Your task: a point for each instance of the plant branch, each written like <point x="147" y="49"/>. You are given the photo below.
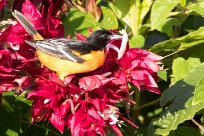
<point x="198" y="125"/>
<point x="170" y="54"/>
<point x="148" y="104"/>
<point x="24" y="121"/>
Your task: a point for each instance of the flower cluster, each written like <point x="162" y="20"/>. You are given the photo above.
<point x="83" y="103"/>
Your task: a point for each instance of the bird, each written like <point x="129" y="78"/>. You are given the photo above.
<point x="68" y="56"/>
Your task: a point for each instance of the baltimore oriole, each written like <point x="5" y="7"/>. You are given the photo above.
<point x="65" y="56"/>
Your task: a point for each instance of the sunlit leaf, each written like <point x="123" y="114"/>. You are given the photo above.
<point x="195" y="75"/>
<point x="109" y="20"/>
<point x="168" y="26"/>
<point x="197" y="7"/>
<point x="145" y="7"/>
<point x="131" y="12"/>
<point x="187" y="41"/>
<point x="136" y="41"/>
<point x="77" y="21"/>
<point x="162" y="74"/>
<point x="181" y="66"/>
<point x="180" y="97"/>
<point x="199" y="93"/>
<point x="161" y="10"/>
<point x="183" y="3"/>
<point x="181" y="109"/>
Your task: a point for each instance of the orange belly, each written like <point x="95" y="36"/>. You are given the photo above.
<point x="64" y="68"/>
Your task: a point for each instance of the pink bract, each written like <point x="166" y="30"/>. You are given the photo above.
<point x="139" y="67"/>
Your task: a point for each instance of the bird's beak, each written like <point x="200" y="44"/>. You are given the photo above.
<point x="115" y="36"/>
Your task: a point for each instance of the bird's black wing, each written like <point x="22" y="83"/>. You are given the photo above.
<point x="62" y="48"/>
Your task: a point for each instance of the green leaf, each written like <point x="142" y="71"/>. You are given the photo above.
<point x="11" y="133"/>
<point x="180" y="97"/>
<point x="183" y="3"/>
<point x="195" y="75"/>
<point x="131" y="13"/>
<point x="196" y="78"/>
<point x="191" y="23"/>
<point x="197" y="7"/>
<point x="9" y="116"/>
<point x="195" y="51"/>
<point x="168" y="26"/>
<point x="145" y="7"/>
<point x="199" y="93"/>
<point x="162" y="74"/>
<point x="154" y="37"/>
<point x="12" y="110"/>
<point x="180" y="110"/>
<point x="188" y="44"/>
<point x="181" y="67"/>
<point x="161" y="10"/>
<point x="109" y="20"/>
<point x="177" y="94"/>
<point x="136" y="41"/>
<point x="77" y="21"/>
<point x="187" y="41"/>
<point x="127" y="12"/>
<point x="202" y="119"/>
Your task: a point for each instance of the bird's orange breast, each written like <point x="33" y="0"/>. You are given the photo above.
<point x="65" y="67"/>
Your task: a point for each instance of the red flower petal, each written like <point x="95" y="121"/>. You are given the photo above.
<point x="53" y="28"/>
<point x="98" y="104"/>
<point x="57" y="122"/>
<point x="92" y="112"/>
<point x="33" y="15"/>
<point x="90" y="83"/>
<point x="116" y="130"/>
<point x="80" y="36"/>
<point x="62" y="109"/>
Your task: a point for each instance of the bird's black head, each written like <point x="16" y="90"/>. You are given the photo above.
<point x="99" y="39"/>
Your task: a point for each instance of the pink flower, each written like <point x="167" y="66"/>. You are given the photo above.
<point x="50" y="102"/>
<point x="139" y="67"/>
<point x="7" y="73"/>
<point x="81" y="106"/>
<point x="33" y="15"/>
<point x="23" y="56"/>
<point x="86" y="121"/>
<point x="48" y="26"/>
<point x="94" y="103"/>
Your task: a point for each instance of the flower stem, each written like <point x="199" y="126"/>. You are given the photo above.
<point x="147" y="104"/>
<point x="27" y="122"/>
<point x="170" y="54"/>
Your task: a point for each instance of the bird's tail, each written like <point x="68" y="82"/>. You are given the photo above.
<point x="27" y="25"/>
